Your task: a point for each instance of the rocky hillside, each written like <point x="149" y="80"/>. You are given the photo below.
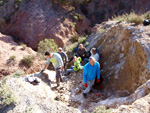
<point x="12" y="54"/>
<point x="32" y="21"/>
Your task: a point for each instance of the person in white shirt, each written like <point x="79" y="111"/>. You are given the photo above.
<point x="94" y="54"/>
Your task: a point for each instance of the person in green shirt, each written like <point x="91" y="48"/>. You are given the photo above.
<point x="76" y="67"/>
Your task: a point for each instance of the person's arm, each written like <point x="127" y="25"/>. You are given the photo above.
<point x="66" y="57"/>
<point x="77" y="65"/>
<point x="85" y="51"/>
<point x="85" y="75"/>
<point x="98" y="71"/>
<point x="78" y="53"/>
<point x="61" y="62"/>
<point x="46" y="65"/>
<point x="97" y="57"/>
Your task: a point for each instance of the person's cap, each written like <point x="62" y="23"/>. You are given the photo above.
<point x="60" y="48"/>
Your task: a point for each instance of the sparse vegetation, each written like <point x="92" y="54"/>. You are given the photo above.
<point x="28" y="61"/>
<point x="28" y="110"/>
<point x="17" y="2"/>
<point x="14" y="48"/>
<point x="11" y="60"/>
<point x="74" y="38"/>
<point x="18" y="74"/>
<point x="6" y="96"/>
<point x="47" y="45"/>
<point x="71" y="2"/>
<point x="78" y="17"/>
<point x="74" y="43"/>
<point x="23" y="46"/>
<point x="70" y="47"/>
<point x="132" y="18"/>
<point x="73" y="24"/>
<point x="101" y="109"/>
<point x="102" y="30"/>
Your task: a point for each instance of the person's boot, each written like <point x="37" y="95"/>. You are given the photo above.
<point x="84" y="95"/>
<point x="57" y="82"/>
<point x="61" y="80"/>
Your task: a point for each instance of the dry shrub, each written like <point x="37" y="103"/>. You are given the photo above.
<point x="131" y="18"/>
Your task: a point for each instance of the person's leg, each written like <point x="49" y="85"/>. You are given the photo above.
<point x="86" y="60"/>
<point x="60" y="70"/>
<point x="58" y="76"/>
<point x="69" y="71"/>
<point x="90" y="83"/>
<point x="71" y="58"/>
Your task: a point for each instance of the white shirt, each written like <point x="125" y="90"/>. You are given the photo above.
<point x="96" y="56"/>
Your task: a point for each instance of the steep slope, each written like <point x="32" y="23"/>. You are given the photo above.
<point x="30" y="98"/>
<point x="11" y="55"/>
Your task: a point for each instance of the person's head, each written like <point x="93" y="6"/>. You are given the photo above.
<point x="92" y="61"/>
<point x="60" y="49"/>
<point x="48" y="54"/>
<point x="80" y="46"/>
<point x="74" y="58"/>
<point x="94" y="51"/>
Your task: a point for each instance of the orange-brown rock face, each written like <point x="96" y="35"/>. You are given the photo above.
<point x="34" y="21"/>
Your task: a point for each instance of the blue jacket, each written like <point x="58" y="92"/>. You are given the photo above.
<point x="90" y="72"/>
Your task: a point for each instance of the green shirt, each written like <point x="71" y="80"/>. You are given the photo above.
<point x="77" y="65"/>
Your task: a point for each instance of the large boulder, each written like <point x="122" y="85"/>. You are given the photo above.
<point x="124" y="52"/>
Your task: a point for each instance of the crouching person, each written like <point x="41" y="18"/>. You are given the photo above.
<point x="76" y="66"/>
<point x="91" y="70"/>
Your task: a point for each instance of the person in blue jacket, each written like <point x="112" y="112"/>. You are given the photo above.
<point x="91" y="70"/>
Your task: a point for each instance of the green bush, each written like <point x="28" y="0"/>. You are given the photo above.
<point x="6" y="96"/>
<point x="47" y="45"/>
<point x="28" y="61"/>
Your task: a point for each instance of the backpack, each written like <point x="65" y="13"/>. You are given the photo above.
<point x="146" y="22"/>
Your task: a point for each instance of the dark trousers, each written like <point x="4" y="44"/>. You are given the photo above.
<point x="58" y="76"/>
